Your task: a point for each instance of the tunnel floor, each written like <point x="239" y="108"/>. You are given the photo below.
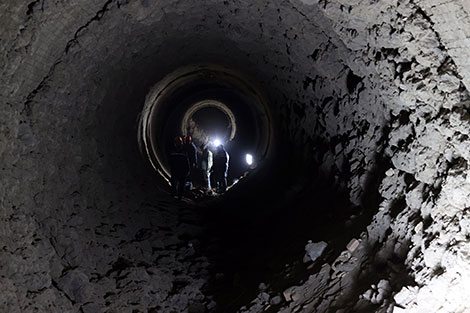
<point x="261" y="240"/>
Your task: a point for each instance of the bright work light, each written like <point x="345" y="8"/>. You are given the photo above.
<point x="249" y="159"/>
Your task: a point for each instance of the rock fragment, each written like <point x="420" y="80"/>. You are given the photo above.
<point x="314" y="250"/>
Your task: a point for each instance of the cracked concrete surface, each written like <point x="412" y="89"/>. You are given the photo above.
<point x="372" y="96"/>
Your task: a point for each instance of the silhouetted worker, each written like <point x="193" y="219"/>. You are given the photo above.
<point x="220" y="169"/>
<point x="179" y="167"/>
<point x="206" y="166"/>
<point x="191" y="151"/>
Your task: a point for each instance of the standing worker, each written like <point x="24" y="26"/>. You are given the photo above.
<point x="220" y="169"/>
<point x="206" y="166"/>
<point x="179" y="167"/>
<point x="191" y="151"/>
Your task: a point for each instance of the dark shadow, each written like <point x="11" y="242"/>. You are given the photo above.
<point x="255" y="230"/>
<point x="252" y="233"/>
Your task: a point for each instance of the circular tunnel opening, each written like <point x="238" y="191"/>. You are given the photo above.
<point x="209" y="120"/>
<point x="210" y="104"/>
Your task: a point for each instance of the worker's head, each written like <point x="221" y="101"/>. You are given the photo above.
<point x="188" y="139"/>
<point x="178" y="141"/>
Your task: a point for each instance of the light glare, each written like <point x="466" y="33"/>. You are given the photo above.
<point x="249" y="159"/>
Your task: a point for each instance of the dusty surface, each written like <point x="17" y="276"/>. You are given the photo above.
<point x="372" y="95"/>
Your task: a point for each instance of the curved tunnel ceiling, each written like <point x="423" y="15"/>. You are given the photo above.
<point x="209" y="104"/>
<point x="369" y="107"/>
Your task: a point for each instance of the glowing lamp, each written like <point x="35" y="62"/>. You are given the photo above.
<point x="249" y="159"/>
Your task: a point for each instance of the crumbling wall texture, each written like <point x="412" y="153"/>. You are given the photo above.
<point x="369" y="83"/>
<point x="424" y="78"/>
<point x="407" y="54"/>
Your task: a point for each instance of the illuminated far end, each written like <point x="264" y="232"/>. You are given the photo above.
<point x="216" y="142"/>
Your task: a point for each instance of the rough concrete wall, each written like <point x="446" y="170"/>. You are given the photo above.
<point x="82" y="229"/>
<point x="426" y="146"/>
<point x="421" y="222"/>
<point x="451" y="21"/>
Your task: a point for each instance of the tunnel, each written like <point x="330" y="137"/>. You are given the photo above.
<point x="356" y="112"/>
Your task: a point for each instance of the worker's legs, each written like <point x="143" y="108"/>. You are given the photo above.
<point x="220" y="182"/>
<point x="208" y="180"/>
<point x="223" y="182"/>
<point x="181" y="186"/>
<point x="174" y="185"/>
<point x="216" y="180"/>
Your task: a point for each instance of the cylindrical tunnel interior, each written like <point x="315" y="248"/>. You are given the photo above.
<point x="174" y="103"/>
<point x="356" y="114"/>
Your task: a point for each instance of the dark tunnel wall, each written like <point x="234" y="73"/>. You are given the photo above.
<point x="364" y="93"/>
<point x="133" y="63"/>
